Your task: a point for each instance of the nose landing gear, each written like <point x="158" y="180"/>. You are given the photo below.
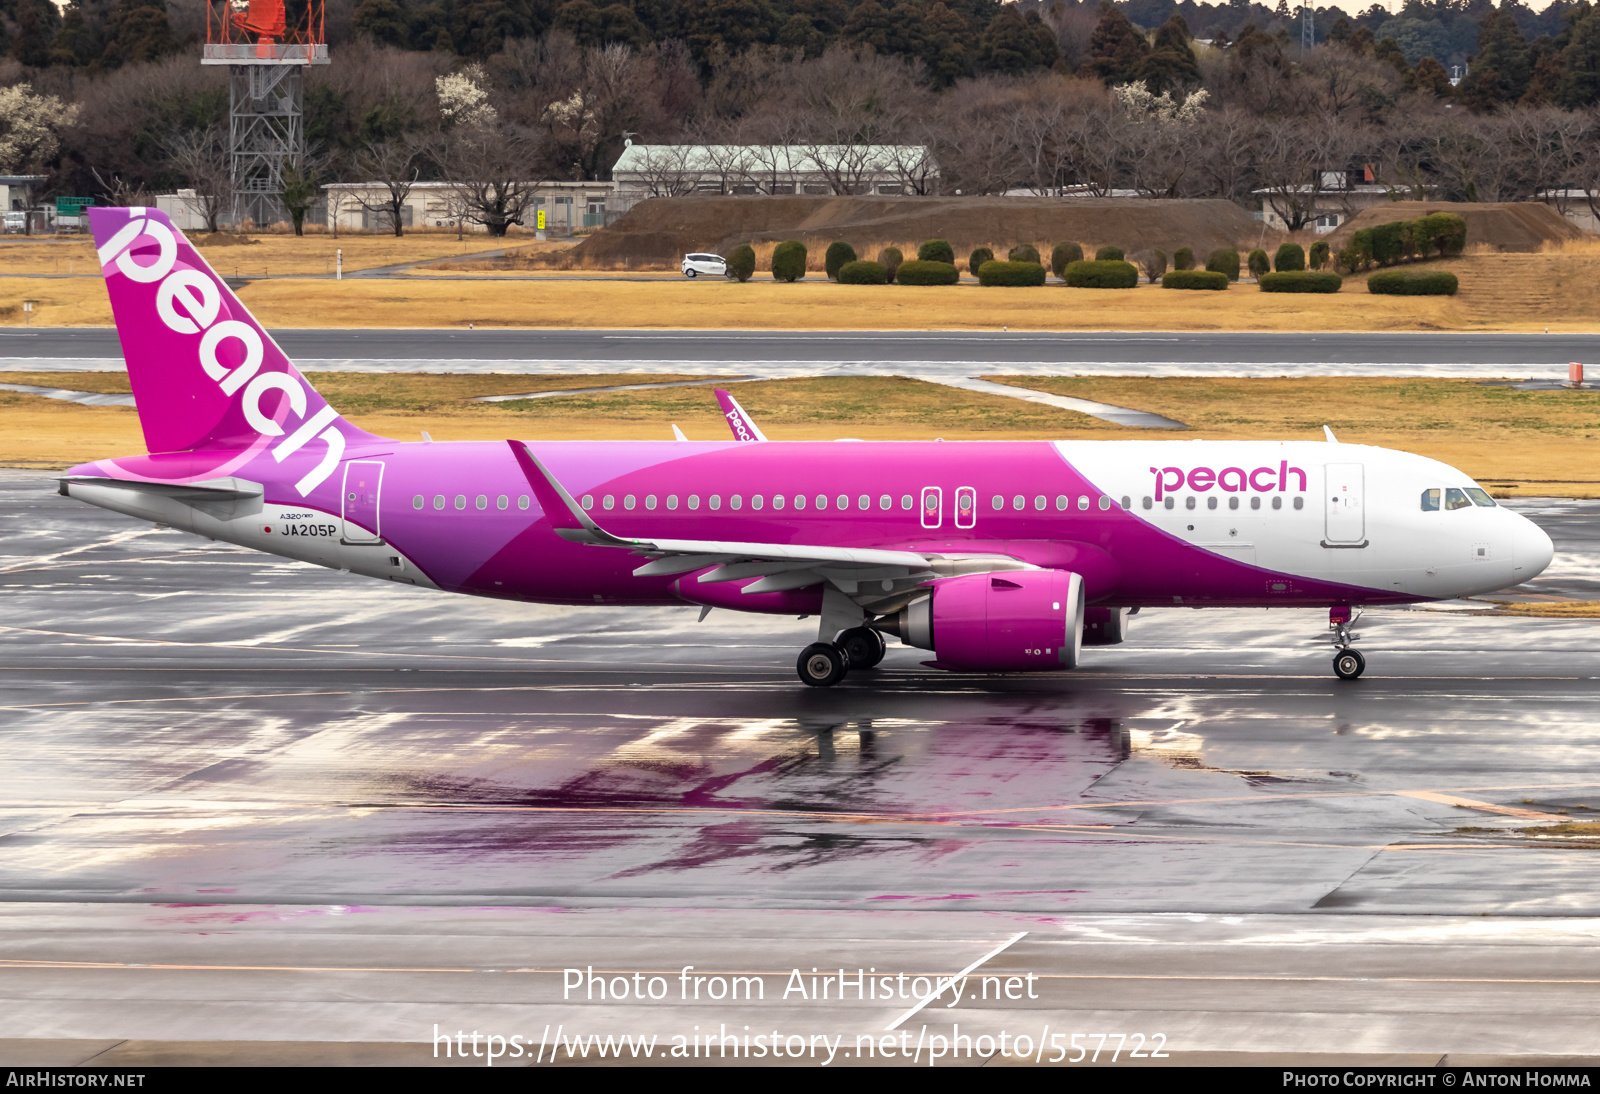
<point x="1348" y="663"/>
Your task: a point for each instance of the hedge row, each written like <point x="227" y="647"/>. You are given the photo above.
<point x="1101" y="274"/>
<point x="863" y="273"/>
<point x="1405" y="283"/>
<point x="1300" y="281"/>
<point x="1398" y="241"/>
<point x="1194" y="279"/>
<point x="1011" y="273"/>
<point x="918" y="272"/>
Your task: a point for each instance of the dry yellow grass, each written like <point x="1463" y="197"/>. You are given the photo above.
<point x="1530" y="443"/>
<point x="1558" y="609"/>
<point x="1512" y="292"/>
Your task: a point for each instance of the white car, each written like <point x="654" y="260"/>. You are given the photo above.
<point x="696" y="264"/>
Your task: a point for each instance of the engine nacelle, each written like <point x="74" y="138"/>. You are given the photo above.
<point x="1105" y="626"/>
<point x="1016" y="621"/>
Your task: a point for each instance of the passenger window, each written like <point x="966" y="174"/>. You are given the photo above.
<point x="588" y="501"/>
<point x="714" y="502"/>
<point x="1456" y="499"/>
<point x="1277" y="501"/>
<point x="1233" y="503"/>
<point x="438" y="501"/>
<point x="1188" y="502"/>
<point x="650" y="501"/>
<point x="1255" y="502"/>
<point x="907" y="504"/>
<point x="885" y="502"/>
<point x="1480" y="496"/>
<point x="777" y="501"/>
<point x="1105" y="503"/>
<point x="1018" y="502"/>
<point x="1062" y="501"/>
<point x="799" y="501"/>
<point x="1083" y="502"/>
<point x="609" y="501"/>
<point x="1430" y="500"/>
<point x="461" y="501"/>
<point x="483" y="502"/>
<point x="522" y="502"/>
<point x="672" y="502"/>
<point x="1211" y="503"/>
<point x="417" y="502"/>
<point x="863" y="502"/>
<point x="841" y="502"/>
<point x="1039" y="502"/>
<point x="999" y="502"/>
<point x="757" y="502"/>
<point x="501" y="502"/>
<point x="822" y="501"/>
<point x="1299" y="502"/>
<point x="735" y="503"/>
<point x="694" y="501"/>
<point x="1147" y="502"/>
<point x="1171" y="502"/>
<point x="1127" y="502"/>
<point x="629" y="502"/>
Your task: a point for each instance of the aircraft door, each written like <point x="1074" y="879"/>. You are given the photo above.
<point x="363" y="479"/>
<point x="1344" y="503"/>
<point x="966" y="507"/>
<point x="932" y="506"/>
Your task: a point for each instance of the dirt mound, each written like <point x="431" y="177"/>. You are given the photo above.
<point x="1506" y="225"/>
<point x="659" y="231"/>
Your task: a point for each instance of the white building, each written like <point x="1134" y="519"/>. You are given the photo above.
<point x="674" y="170"/>
<point x="360" y="205"/>
<point x="1574" y="205"/>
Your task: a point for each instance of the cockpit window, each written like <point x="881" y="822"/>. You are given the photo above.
<point x="1456" y="499"/>
<point x="1430" y="500"/>
<point x="1480" y="496"/>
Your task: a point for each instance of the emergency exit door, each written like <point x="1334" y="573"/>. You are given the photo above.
<point x="363" y="480"/>
<point x="1343" y="503"/>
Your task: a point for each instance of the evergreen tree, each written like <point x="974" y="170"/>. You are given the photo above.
<point x="907" y="29"/>
<point x="1171" y="65"/>
<point x="868" y="25"/>
<point x="382" y="20"/>
<point x="1500" y="73"/>
<point x="138" y="32"/>
<point x="1012" y="44"/>
<point x="944" y="46"/>
<point x="1117" y="50"/>
<point x="37" y="24"/>
<point x="1429" y="75"/>
<point x="800" y="33"/>
<point x="1579" y="84"/>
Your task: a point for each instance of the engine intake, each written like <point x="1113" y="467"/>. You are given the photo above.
<point x="1018" y="621"/>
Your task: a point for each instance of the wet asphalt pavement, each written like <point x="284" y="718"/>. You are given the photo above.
<point x="293" y="792"/>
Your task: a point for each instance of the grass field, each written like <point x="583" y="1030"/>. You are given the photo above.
<point x="1534" y="443"/>
<point x="1511" y="292"/>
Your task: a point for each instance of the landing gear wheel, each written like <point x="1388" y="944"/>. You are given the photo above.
<point x="864" y="647"/>
<point x="822" y="665"/>
<point x="1349" y="664"/>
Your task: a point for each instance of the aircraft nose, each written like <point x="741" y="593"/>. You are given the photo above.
<point x="1532" y="549"/>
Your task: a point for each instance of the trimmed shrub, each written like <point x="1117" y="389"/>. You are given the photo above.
<point x="789" y="260"/>
<point x="1257" y="262"/>
<point x="1300" y="281"/>
<point x="1319" y="255"/>
<point x="863" y="273"/>
<point x="1290" y="257"/>
<point x="1011" y="273"/>
<point x="1153" y="263"/>
<point x="978" y="258"/>
<point x="1062" y="255"/>
<point x="1444" y="232"/>
<point x="918" y="272"/>
<point x="890" y="258"/>
<point x="1024" y="252"/>
<point x="1224" y="260"/>
<point x="1387" y="245"/>
<point x="1108" y="254"/>
<point x="1102" y="274"/>
<point x="1183" y="260"/>
<point x="741" y="262"/>
<point x="1406" y="283"/>
<point x="936" y="250"/>
<point x="837" y="255"/>
<point x="1194" y="279"/>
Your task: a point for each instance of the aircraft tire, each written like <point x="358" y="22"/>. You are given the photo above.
<point x="1349" y="664"/>
<point x="864" y="647"/>
<point x="822" y="665"/>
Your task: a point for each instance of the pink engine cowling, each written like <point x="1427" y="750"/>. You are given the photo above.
<point x="1016" y="621"/>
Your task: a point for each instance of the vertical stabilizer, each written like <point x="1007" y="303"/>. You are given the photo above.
<point x="205" y="375"/>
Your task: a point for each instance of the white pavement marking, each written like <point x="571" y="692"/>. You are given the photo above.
<point x="87" y="398"/>
<point x="1120" y="415"/>
<point x="941" y="985"/>
<point x="110" y="541"/>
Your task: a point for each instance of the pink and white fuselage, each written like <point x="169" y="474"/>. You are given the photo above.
<point x="995" y="555"/>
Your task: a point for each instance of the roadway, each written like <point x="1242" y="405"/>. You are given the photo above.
<point x="251" y="809"/>
<point x="966" y="352"/>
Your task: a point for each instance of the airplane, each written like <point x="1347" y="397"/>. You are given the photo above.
<point x="995" y="556"/>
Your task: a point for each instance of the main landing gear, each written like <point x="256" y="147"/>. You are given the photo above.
<point x="1348" y="664"/>
<point x="824" y="664"/>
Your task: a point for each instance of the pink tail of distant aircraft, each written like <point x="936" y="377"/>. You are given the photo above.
<point x="997" y="556"/>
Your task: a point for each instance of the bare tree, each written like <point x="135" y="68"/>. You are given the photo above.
<point x="665" y="169"/>
<point x="1300" y="160"/>
<point x="200" y="157"/>
<point x="1546" y="144"/>
<point x="395" y="166"/>
<point x="492" y="172"/>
